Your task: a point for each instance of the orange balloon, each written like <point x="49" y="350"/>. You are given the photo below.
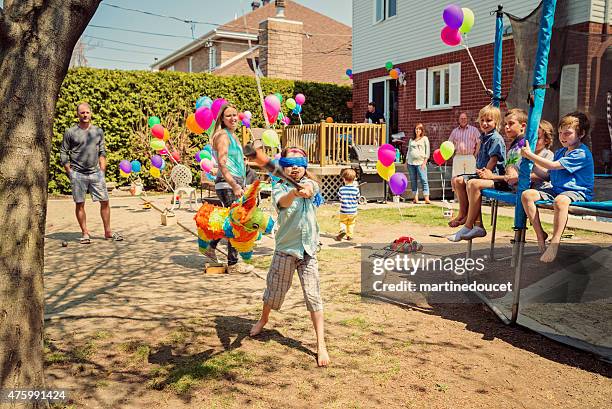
<point x="193" y="126"/>
<point x="166" y="135"/>
<point x="329" y="120"/>
<point x="393" y="74"/>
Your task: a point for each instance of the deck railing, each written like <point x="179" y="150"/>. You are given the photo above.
<point x="329" y="143"/>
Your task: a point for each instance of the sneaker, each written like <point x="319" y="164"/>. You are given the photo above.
<point x="459" y="235"/>
<point x="349" y="238"/>
<point x="211" y="253"/>
<point x="476" y="231"/>
<point x="240" y="268"/>
<point x="340" y="236"/>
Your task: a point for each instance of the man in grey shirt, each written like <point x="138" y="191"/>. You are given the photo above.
<point x="84" y="157"/>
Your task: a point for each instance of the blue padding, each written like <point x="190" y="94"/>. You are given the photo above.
<point x="506" y="197"/>
<point x="604" y="206"/>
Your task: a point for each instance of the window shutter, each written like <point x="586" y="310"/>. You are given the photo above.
<point x="421" y="83"/>
<point x="454" y="94"/>
<point x="568" y="91"/>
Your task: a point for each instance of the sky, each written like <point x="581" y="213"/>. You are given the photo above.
<point x="104" y="48"/>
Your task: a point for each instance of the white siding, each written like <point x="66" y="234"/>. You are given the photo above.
<point x="598" y="11"/>
<point x="415" y="32"/>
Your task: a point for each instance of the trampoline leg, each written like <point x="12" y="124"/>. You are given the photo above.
<point x="494" y="206"/>
<point x="519" y="244"/>
<point x="468" y="254"/>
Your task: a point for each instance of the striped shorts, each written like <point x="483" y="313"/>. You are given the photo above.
<point x="280" y="276"/>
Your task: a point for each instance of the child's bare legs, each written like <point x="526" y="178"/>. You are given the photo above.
<point x="561" y="205"/>
<point x="528" y="199"/>
<point x="474" y="188"/>
<point x="319" y="327"/>
<point x="259" y="325"/>
<point x="461" y="191"/>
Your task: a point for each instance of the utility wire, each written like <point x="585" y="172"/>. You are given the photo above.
<point x="125" y="43"/>
<point x="112" y="60"/>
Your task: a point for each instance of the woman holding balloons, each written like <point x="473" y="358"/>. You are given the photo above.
<point x="416" y="159"/>
<point x="230" y="180"/>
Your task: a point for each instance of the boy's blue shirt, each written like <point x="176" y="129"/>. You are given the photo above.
<point x="491" y="144"/>
<point x="578" y="173"/>
<point x="298" y="229"/>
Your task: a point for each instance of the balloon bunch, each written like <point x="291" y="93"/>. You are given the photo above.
<point x="386" y="169"/>
<point x="158" y="164"/>
<point x="295" y="105"/>
<point x="203" y="119"/>
<point x="160" y="141"/>
<point x="393" y="72"/>
<point x="245" y="118"/>
<point x="446" y="151"/>
<point x="349" y="74"/>
<point x="126" y="167"/>
<point x="458" y="21"/>
<point x="206" y="160"/>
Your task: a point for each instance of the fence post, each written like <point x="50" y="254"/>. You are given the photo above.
<point x="383" y="134"/>
<point x="322" y="137"/>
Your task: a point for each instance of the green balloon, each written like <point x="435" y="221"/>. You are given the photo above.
<point x="157" y="144"/>
<point x="153" y="120"/>
<point x="290" y="102"/>
<point x="468" y="21"/>
<point x="389" y="65"/>
<point x="279" y="96"/>
<point x="270" y="138"/>
<point x="205" y="155"/>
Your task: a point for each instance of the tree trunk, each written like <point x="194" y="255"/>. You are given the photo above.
<point x="36" y="42"/>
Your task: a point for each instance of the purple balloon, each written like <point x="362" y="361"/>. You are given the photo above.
<point x="197" y="157"/>
<point x="125" y="166"/>
<point x="453" y="16"/>
<point x="156" y="161"/>
<point x="398" y="183"/>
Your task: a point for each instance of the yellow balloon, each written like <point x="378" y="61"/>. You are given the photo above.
<point x="166" y="135"/>
<point x="385" y="172"/>
<point x="123" y="174"/>
<point x="154" y="172"/>
<point x="270" y="138"/>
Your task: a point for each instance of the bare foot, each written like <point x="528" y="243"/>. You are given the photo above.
<point x="457" y="221"/>
<point x="322" y="357"/>
<point x="258" y="327"/>
<point x="551" y="253"/>
<point x="542" y="243"/>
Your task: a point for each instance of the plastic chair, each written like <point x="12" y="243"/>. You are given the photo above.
<point x="181" y="178"/>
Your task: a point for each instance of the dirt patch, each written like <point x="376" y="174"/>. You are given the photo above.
<point x="137" y="325"/>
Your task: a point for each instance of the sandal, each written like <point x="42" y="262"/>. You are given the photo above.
<point x="115" y="237"/>
<point x="85" y="240"/>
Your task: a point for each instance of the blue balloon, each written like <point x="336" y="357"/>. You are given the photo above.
<point x="203" y="102"/>
<point x="163" y="165"/>
<point x="135" y="166"/>
<point x="208" y="148"/>
<point x="349" y="72"/>
<point x="297" y="109"/>
<point x="210" y="177"/>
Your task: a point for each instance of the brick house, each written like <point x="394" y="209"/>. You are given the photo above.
<point x="440" y="81"/>
<point x="287" y="41"/>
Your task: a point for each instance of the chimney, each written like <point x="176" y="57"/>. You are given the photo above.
<point x="255" y="5"/>
<point x="280" y="55"/>
<point x="280" y="8"/>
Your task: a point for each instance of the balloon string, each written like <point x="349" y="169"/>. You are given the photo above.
<point x="474" y="64"/>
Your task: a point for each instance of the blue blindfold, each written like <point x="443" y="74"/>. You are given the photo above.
<point x="289" y="162"/>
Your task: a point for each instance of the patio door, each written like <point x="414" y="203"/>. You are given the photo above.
<point x="384" y="93"/>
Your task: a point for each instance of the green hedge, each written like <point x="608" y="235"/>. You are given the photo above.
<point x="122" y="100"/>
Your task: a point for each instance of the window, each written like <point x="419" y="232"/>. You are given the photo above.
<point x="568" y="90"/>
<point x="385" y="9"/>
<point x="170" y="68"/>
<point x="438" y="87"/>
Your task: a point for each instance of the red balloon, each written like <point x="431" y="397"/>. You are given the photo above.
<point x="437" y="157"/>
<point x="176" y="156"/>
<point x="158" y="131"/>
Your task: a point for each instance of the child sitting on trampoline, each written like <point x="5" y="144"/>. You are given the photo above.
<point x="571" y="174"/>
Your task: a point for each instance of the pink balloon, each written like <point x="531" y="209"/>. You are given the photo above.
<point x="206" y="165"/>
<point x="286" y="120"/>
<point x="389" y="147"/>
<point x="204" y="117"/>
<point x="438" y="158"/>
<point x="163" y="151"/>
<point x="386" y="156"/>
<point x="215" y="108"/>
<point x="398" y="183"/>
<point x="272" y="104"/>
<point x="450" y="36"/>
<point x="158" y="131"/>
<point x="300" y="99"/>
